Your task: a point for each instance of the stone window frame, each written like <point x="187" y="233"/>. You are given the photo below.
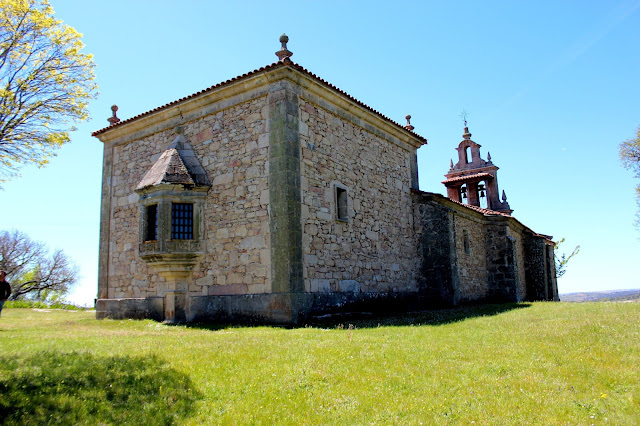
<point x="164" y="197"/>
<point x="341" y="192"/>
<point x="466" y="244"/>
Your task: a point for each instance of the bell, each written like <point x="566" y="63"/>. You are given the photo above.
<point x="481" y="193"/>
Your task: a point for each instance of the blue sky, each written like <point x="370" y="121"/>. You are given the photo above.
<point x="551" y="89"/>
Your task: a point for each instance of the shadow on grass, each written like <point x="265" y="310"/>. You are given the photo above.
<point x="369" y="320"/>
<point x="428" y="317"/>
<point x="78" y="388"/>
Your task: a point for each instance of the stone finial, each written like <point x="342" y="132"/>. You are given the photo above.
<point x="466" y="135"/>
<point x="451" y="164"/>
<point x="113" y="119"/>
<point x="504" y="197"/>
<point x="409" y="126"/>
<point x="284" y="53"/>
<point x="488" y="156"/>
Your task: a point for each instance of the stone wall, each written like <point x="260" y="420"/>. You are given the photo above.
<point x="128" y="275"/>
<point x="540" y="269"/>
<point x="232" y="146"/>
<point x="284" y="189"/>
<point x="472" y="263"/>
<point x="132" y="308"/>
<point x="501" y="261"/>
<point x="275" y="308"/>
<point x="373" y="249"/>
<point x="438" y="279"/>
<point x="552" y="279"/>
<point x="518" y="242"/>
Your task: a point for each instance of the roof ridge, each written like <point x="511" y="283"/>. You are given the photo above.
<point x="484" y="211"/>
<point x="285" y="63"/>
<point x="481" y="209"/>
<point x="474" y="208"/>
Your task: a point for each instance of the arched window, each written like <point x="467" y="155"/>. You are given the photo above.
<point x="482" y="194"/>
<point x="462" y="196"/>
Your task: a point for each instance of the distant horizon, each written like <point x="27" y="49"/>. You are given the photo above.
<point x="603" y="291"/>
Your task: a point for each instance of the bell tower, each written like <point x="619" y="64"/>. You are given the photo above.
<point x="473" y="178"/>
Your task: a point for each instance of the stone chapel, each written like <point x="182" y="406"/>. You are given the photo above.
<point x="275" y="197"/>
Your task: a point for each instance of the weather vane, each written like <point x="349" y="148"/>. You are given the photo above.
<point x="464" y="114"/>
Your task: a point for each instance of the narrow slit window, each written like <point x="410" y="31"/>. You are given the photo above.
<point x="152" y="223"/>
<point x="465" y="241"/>
<point x="342" y="210"/>
<point x="181" y="221"/>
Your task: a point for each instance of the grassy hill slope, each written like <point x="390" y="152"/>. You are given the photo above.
<point x="538" y="363"/>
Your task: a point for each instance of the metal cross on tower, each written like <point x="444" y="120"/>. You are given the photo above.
<point x="464" y="114"/>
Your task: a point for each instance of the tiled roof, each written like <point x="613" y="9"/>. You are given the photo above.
<point x="485" y="212"/>
<point x="178" y="164"/>
<point x="467" y="177"/>
<point x="169" y="168"/>
<point x="286" y="63"/>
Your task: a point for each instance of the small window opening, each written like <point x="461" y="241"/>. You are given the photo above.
<point x="467" y="154"/>
<point x="341" y="204"/>
<point x="152" y="223"/>
<point x="465" y="241"/>
<point x="181" y="221"/>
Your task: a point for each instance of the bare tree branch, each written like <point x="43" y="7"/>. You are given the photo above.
<point x="563" y="259"/>
<point x="30" y="268"/>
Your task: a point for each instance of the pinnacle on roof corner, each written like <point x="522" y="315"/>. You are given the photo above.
<point x="283" y="54"/>
<point x="113" y="119"/>
<point x="409" y="126"/>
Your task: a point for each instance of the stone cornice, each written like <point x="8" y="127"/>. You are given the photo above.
<point x="250" y="87"/>
<point x="187" y="110"/>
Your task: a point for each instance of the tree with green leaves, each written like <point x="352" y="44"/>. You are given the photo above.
<point x="32" y="271"/>
<point x="46" y="83"/>
<point x="630" y="158"/>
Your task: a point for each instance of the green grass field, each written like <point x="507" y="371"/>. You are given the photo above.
<point x="541" y="363"/>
